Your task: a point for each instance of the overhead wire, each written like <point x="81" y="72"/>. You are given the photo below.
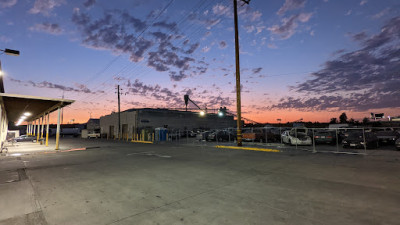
<point x="150" y="24"/>
<point x="140" y="34"/>
<point x="183" y="19"/>
<point x="145" y="69"/>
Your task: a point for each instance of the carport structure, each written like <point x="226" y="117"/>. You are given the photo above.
<point x="33" y="110"/>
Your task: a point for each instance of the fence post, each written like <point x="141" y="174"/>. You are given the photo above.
<point x="295" y="130"/>
<point x="252" y="131"/>
<point x="365" y="144"/>
<point x="313" y="140"/>
<point x="337" y="140"/>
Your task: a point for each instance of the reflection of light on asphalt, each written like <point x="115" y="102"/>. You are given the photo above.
<point x="16" y="154"/>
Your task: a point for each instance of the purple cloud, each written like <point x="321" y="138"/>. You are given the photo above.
<point x="45" y="6"/>
<point x="289" y="25"/>
<point x="52" y="28"/>
<point x="7" y="3"/>
<point x="364" y="79"/>
<point x="291" y="5"/>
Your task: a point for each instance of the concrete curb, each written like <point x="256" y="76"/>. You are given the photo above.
<point x="248" y="148"/>
<point x="145" y="142"/>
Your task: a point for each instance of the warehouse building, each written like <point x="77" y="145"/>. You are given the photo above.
<point x="133" y="121"/>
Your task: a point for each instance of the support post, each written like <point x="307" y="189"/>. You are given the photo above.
<point x="34" y="128"/>
<point x="42" y="128"/>
<point x="58" y="129"/>
<point x="47" y="129"/>
<point x="38" y="131"/>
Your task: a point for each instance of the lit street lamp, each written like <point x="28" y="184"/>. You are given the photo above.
<point x="8" y="52"/>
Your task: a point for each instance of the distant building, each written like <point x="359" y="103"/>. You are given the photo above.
<point x="133" y="121"/>
<point x="339" y="125"/>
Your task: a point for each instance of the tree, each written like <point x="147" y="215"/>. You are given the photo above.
<point x="333" y="120"/>
<point x="352" y="121"/>
<point x="365" y="120"/>
<point x="343" y="118"/>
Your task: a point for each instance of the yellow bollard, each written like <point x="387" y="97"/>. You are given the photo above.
<point x="47" y="139"/>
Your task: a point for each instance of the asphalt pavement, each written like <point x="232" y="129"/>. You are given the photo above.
<point x="115" y="182"/>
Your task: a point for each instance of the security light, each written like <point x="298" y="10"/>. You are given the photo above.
<point x="202" y="113"/>
<point x="11" y="52"/>
<point x="27" y="114"/>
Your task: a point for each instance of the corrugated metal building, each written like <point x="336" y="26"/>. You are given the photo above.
<point x="135" y="120"/>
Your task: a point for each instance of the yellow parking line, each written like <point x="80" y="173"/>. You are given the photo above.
<point x="146" y="142"/>
<point x="248" y="148"/>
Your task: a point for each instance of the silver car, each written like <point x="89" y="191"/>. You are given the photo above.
<point x="289" y="137"/>
<point x="24" y="138"/>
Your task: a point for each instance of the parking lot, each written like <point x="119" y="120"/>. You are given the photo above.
<point x="118" y="182"/>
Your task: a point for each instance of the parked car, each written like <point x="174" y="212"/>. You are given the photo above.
<point x="203" y="135"/>
<point x="221" y="136"/>
<point x="397" y="143"/>
<point x="273" y="134"/>
<point x="356" y="140"/>
<point x="296" y="138"/>
<point x="93" y="135"/>
<point x="324" y="137"/>
<point x="253" y="135"/>
<point x="388" y="136"/>
<point x="25" y="138"/>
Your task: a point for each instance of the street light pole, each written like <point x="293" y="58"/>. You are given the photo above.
<point x="1" y="80"/>
<point x="8" y="52"/>
<point x="238" y="100"/>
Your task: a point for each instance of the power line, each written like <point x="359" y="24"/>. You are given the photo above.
<point x="136" y="65"/>
<point x="144" y="30"/>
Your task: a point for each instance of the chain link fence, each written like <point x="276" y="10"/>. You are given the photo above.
<point x="334" y="140"/>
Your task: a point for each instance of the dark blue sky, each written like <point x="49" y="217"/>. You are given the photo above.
<point x="310" y="59"/>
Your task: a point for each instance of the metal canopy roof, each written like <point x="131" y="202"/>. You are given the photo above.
<point x="16" y="105"/>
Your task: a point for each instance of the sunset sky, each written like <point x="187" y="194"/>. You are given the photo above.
<point x="310" y="59"/>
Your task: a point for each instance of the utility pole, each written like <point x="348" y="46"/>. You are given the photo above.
<point x="119" y="113"/>
<point x="238" y="100"/>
